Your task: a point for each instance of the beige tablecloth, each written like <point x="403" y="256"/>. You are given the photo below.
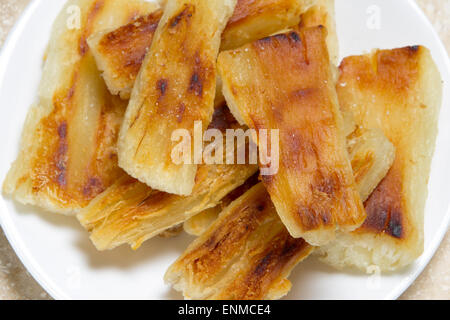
<point x="434" y="283"/>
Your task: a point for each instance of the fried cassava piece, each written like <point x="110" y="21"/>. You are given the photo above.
<point x="287" y="83"/>
<point x="119" y="52"/>
<point x="131" y="212"/>
<point x="175" y="87"/>
<point x="67" y="154"/>
<point x="398" y="91"/>
<point x="247" y="253"/>
<point x="371" y="155"/>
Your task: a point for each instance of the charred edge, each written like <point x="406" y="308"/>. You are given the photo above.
<point x="271" y="263"/>
<point x="222" y="119"/>
<point x="92" y="187"/>
<point x="384" y="208"/>
<point x="161" y="86"/>
<point x="395" y="225"/>
<point x="83" y="45"/>
<point x="413" y="49"/>
<point x="196" y="84"/>
<point x="295" y="36"/>
<point x="61" y="154"/>
<point x="384" y="220"/>
<point x="136" y="36"/>
<point x="199" y="74"/>
<point x="186" y="14"/>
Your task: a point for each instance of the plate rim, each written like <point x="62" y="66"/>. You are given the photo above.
<point x="26" y="258"/>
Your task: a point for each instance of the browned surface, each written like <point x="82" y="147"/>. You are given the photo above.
<point x="393" y="76"/>
<point x="434" y="283"/>
<point x="71" y="157"/>
<point x="120" y="214"/>
<point x="125" y="47"/>
<point x="314" y="188"/>
<point x="176" y="88"/>
<point x="248" y="246"/>
<point x="266" y="267"/>
<point x="51" y="169"/>
<point x="398" y="91"/>
<point x="248" y="9"/>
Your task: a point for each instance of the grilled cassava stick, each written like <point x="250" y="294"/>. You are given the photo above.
<point x="68" y="149"/>
<point x="119" y="52"/>
<point x="398" y="91"/>
<point x="371" y="155"/>
<point x="248" y="253"/>
<point x="175" y="88"/>
<point x="323" y="13"/>
<point x="286" y="82"/>
<point x="131" y="212"/>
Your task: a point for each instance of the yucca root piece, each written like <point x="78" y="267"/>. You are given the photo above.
<point x="286" y="83"/>
<point x="130" y="212"/>
<point x="175" y="88"/>
<point x="246" y="254"/>
<point x="398" y="91"/>
<point x="68" y="149"/>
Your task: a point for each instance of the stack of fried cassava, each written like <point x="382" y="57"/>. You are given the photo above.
<point x="355" y="142"/>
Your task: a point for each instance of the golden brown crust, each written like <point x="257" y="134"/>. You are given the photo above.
<point x="131" y="212"/>
<point x="392" y="74"/>
<point x="120" y="53"/>
<point x="68" y="151"/>
<point x="125" y="47"/>
<point x="267" y="267"/>
<point x="260" y="272"/>
<point x="253" y="20"/>
<point x="322" y="12"/>
<point x="175" y="88"/>
<point x="314" y="192"/>
<point x="246" y="254"/>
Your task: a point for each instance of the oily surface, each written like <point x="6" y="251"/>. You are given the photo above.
<point x="434" y="283"/>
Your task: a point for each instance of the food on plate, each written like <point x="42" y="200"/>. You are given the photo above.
<point x="253" y="20"/>
<point x="246" y="254"/>
<point x="175" y="90"/>
<point x="286" y="83"/>
<point x="371" y="155"/>
<point x="119" y="52"/>
<point x="68" y="150"/>
<point x="398" y="91"/>
<point x="130" y="212"/>
<point x="341" y="157"/>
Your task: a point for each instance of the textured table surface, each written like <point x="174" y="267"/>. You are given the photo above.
<point x="434" y="283"/>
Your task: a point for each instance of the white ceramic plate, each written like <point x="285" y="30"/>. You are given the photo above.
<point x="57" y="251"/>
